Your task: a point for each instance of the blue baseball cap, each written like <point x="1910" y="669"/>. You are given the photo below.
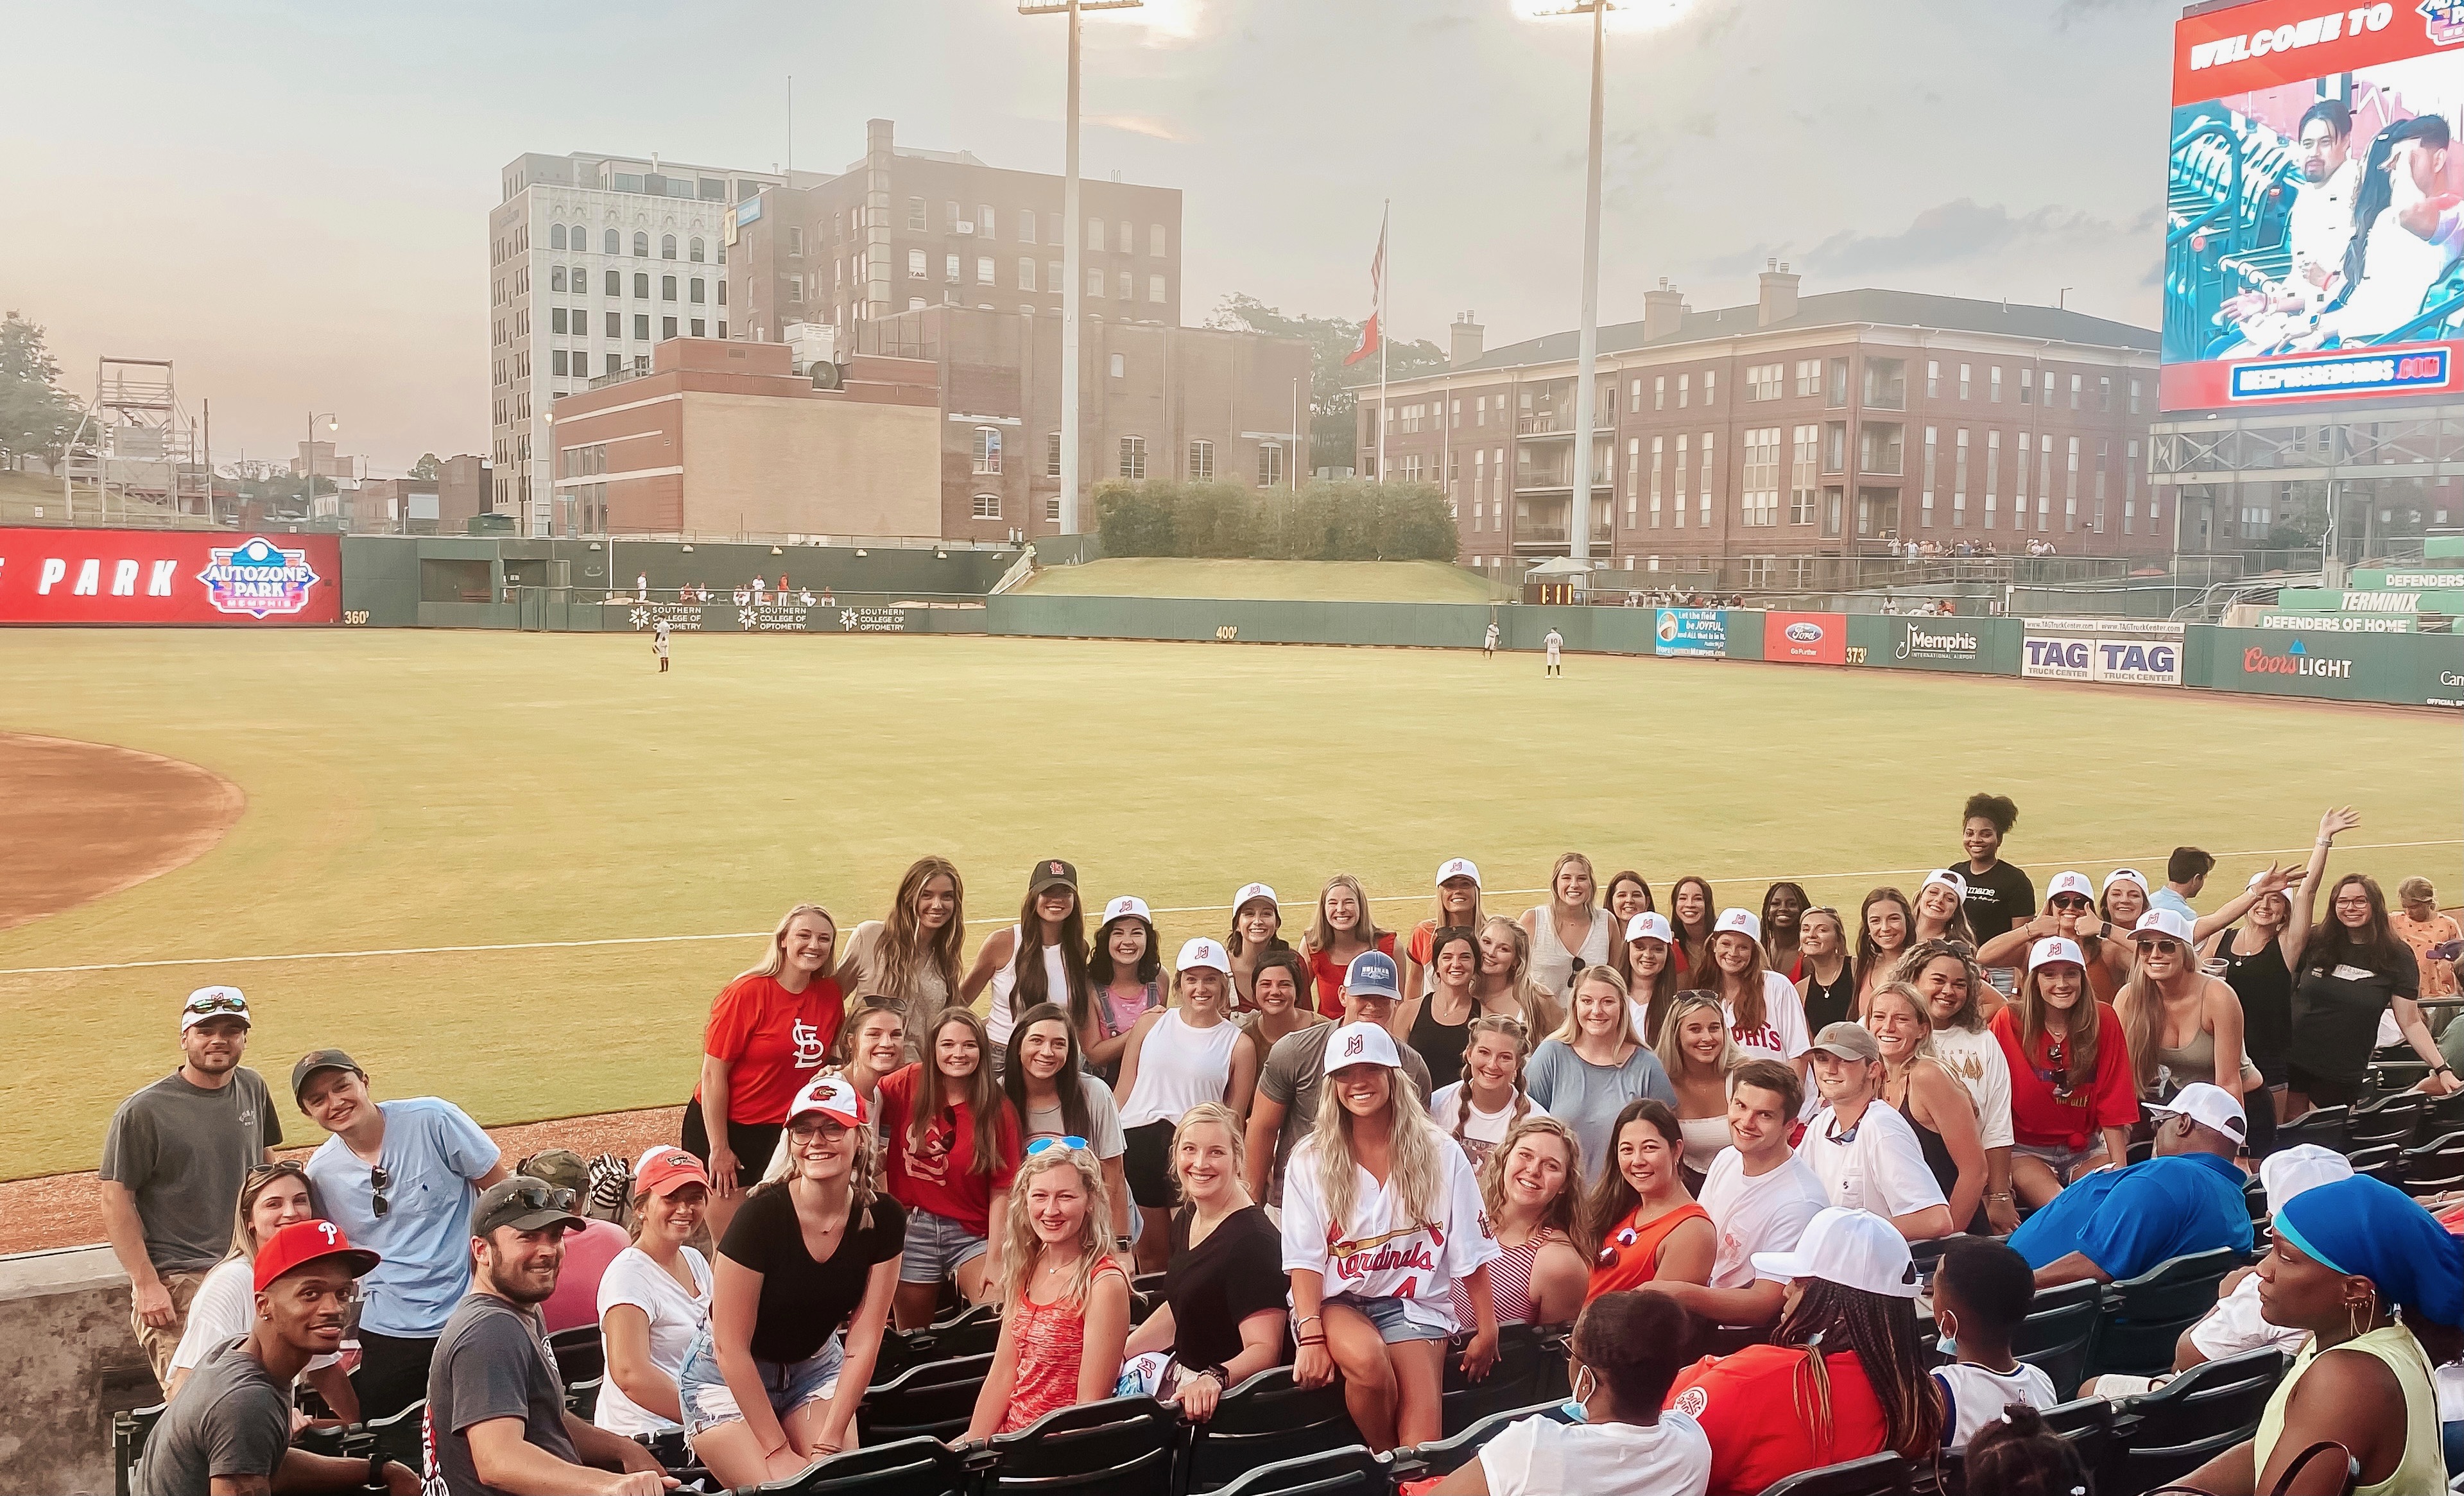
<point x="1371" y="974"/>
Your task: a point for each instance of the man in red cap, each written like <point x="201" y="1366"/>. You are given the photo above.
<point x="229" y="1431"/>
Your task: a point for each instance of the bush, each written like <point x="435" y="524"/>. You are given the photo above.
<point x="1352" y="520"/>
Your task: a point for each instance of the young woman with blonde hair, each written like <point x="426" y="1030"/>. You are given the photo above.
<point x="954" y="1146"/>
<point x="1504" y="984"/>
<point x="1697" y="1052"/>
<point x="1530" y="1185"/>
<point x="1936" y="1106"/>
<point x="1457" y="907"/>
<point x="1942" y="910"/>
<point x="273" y="1196"/>
<point x="1223" y="1316"/>
<point x="1342" y="930"/>
<point x="654" y="1297"/>
<point x="1067" y="1299"/>
<point x="1479" y="1111"/>
<point x="1380" y="1211"/>
<point x="913" y="955"/>
<point x="1596" y="1062"/>
<point x="1572" y="932"/>
<point x="765" y="1037"/>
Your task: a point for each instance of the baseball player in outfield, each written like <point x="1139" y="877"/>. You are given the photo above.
<point x="659" y="644"/>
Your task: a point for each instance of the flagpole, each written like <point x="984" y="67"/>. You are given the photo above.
<point x="1385" y="265"/>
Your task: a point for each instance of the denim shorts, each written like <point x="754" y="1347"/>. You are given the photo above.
<point x="702" y="1392"/>
<point x="2062" y="1160"/>
<point x="1393" y="1324"/>
<point x="936" y="1246"/>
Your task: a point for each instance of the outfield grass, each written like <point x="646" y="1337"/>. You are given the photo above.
<point x="1328" y="582"/>
<point x="418" y="789"/>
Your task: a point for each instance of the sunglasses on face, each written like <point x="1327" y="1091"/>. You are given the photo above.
<point x="2069" y="901"/>
<point x="1043" y="1143"/>
<point x="2162" y="947"/>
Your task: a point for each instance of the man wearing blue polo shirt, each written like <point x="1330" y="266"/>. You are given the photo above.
<point x="2118" y="1224"/>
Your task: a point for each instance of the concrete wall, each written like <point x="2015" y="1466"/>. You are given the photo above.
<point x="69" y="1361"/>
<point x="764" y="466"/>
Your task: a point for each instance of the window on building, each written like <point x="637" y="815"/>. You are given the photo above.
<point x="915" y="270"/>
<point x="2076" y="382"/>
<point x="556" y="363"/>
<point x="949" y="269"/>
<point x="1026" y="274"/>
<point x="1155" y="241"/>
<point x="1834" y="445"/>
<point x="1801" y="466"/>
<point x="693" y="250"/>
<point x="916" y="303"/>
<point x="1657" y="453"/>
<point x="667" y="243"/>
<point x="2027" y="386"/>
<point x="556" y="277"/>
<point x="1052" y="509"/>
<point x="1120" y="366"/>
<point x="987" y="506"/>
<point x="642" y="326"/>
<point x="1052" y="455"/>
<point x="1094" y="281"/>
<point x="1993" y="384"/>
<point x="667" y="288"/>
<point x="984" y="221"/>
<point x="1095" y="235"/>
<point x="984" y="270"/>
<point x="696" y="291"/>
<point x="556" y="236"/>
<point x="667" y="328"/>
<point x="1680" y="482"/>
<point x="1202" y="461"/>
<point x="609" y="243"/>
<point x="615" y="325"/>
<point x="1026" y="226"/>
<point x="1133" y="457"/>
<point x="641" y="246"/>
<point x="2134" y="396"/>
<point x="1129" y="286"/>
<point x="916" y="218"/>
<point x="1052" y="279"/>
<point x="723" y="297"/>
<point x="1155" y="289"/>
<point x="1271" y="463"/>
<point x="1933" y="379"/>
<point x="1685" y="391"/>
<point x="615" y="282"/>
<point x="1808" y="377"/>
<point x="1762" y="473"/>
<point x="615" y="361"/>
<point x="987" y="451"/>
<point x="1878" y="446"/>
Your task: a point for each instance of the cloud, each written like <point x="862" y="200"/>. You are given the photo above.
<point x="1961" y="230"/>
<point x="1138" y="124"/>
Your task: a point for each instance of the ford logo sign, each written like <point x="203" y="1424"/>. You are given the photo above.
<point x="1805" y="633"/>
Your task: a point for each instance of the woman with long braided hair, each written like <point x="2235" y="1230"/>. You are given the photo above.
<point x="1845" y="1375"/>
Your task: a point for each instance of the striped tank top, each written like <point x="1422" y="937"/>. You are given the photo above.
<point x="1509" y="1281"/>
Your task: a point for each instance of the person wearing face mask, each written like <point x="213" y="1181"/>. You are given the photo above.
<point x="2117" y="1223"/>
<point x="1124" y="972"/>
<point x="1457" y="907"/>
<point x="1571" y="933"/>
<point x="1625" y="1351"/>
<point x="1981" y="1291"/>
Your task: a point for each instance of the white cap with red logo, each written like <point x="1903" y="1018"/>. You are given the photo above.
<point x="2069" y="883"/>
<point x="1361" y="1044"/>
<point x="1202" y="951"/>
<point x="1649" y="925"/>
<point x="1129" y="906"/>
<point x="1250" y="892"/>
<point x="833" y="1098"/>
<point x="2161" y="921"/>
<point x="1459" y="868"/>
<point x="1738" y="922"/>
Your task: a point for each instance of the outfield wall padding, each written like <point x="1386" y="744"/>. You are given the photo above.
<point x="1974" y="646"/>
<point x="2409" y="670"/>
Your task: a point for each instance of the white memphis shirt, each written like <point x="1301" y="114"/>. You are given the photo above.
<point x="1384" y="1252"/>
<point x="1782" y="1036"/>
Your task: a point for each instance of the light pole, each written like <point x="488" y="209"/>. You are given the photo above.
<point x="308" y="458"/>
<point x="1587" y="348"/>
<point x="1070" y="229"/>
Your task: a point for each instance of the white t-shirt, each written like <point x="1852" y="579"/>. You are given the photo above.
<point x="2235" y="1325"/>
<point x="1978" y="1061"/>
<point x="1540" y="1455"/>
<point x="1880" y="1169"/>
<point x="1482" y="1130"/>
<point x="1782" y="1036"/>
<point x="1382" y="1252"/>
<point x="1761" y="1213"/>
<point x="676" y="1318"/>
<point x="1975" y="1396"/>
<point x="224" y="1309"/>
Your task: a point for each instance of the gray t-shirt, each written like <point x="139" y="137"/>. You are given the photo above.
<point x="1294" y="1069"/>
<point x="231" y="1418"/>
<point x="184" y="1152"/>
<point x="492" y="1362"/>
<point x="1588" y="1097"/>
<point x="1102" y="1121"/>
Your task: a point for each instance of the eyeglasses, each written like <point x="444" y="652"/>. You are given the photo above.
<point x="1043" y="1143"/>
<point x="379" y="1181"/>
<point x="219" y="1005"/>
<point x="2069" y="901"/>
<point x="2162" y="946"/>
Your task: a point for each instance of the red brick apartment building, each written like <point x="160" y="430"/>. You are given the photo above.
<point x="1770" y="435"/>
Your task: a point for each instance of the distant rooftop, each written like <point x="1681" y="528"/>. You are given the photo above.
<point x="1832" y="309"/>
<point x="954" y="158"/>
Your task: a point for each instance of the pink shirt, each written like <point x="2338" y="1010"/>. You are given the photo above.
<point x="587" y="1252"/>
<point x="1052" y="1342"/>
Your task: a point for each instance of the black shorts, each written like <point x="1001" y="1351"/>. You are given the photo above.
<point x="752" y="1142"/>
<point x="2322" y="1090"/>
<point x="1148" y="1164"/>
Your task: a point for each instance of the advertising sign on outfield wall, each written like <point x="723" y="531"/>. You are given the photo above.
<point x="792" y="617"/>
<point x="2118" y="652"/>
<point x="1698" y="632"/>
<point x="220" y="577"/>
<point x="1806" y="638"/>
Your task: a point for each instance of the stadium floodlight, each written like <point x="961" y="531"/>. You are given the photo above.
<point x="1071" y="230"/>
<point x="1587" y="349"/>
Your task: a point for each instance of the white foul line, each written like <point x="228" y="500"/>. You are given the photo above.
<point x="1185" y="909"/>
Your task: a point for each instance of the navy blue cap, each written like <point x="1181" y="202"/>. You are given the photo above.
<point x="1371" y="974"/>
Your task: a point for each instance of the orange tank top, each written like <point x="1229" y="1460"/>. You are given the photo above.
<point x="1630" y="1258"/>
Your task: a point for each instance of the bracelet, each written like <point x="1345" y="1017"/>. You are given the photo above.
<point x="1305" y="1318"/>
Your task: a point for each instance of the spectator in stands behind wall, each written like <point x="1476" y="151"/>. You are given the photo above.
<point x="175" y="1158"/>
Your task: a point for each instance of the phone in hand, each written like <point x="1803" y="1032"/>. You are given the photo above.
<point x="2445" y="951"/>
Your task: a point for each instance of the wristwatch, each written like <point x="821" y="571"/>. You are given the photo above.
<point x="376" y="1469"/>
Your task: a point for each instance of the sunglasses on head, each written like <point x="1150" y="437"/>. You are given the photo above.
<point x="259" y="1172"/>
<point x="540" y="1194"/>
<point x="1043" y="1143"/>
<point x="219" y="1005"/>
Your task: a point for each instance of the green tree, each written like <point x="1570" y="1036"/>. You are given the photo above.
<point x="1334" y="390"/>
<point x="425" y="468"/>
<point x="36" y="416"/>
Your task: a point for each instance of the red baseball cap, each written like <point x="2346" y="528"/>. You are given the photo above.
<point x="664" y="1170"/>
<point x="304" y="1242"/>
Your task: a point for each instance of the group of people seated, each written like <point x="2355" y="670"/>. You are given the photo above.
<point x="1360" y="1154"/>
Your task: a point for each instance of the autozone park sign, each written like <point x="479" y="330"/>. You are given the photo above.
<point x="226" y="577"/>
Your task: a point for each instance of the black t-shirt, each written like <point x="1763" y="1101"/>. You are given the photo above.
<point x="805" y="1301"/>
<point x="1997" y="901"/>
<point x="2266" y="992"/>
<point x="2337" y="1005"/>
<point x="1835" y="1003"/>
<point x="492" y="1362"/>
<point x="1234" y="1273"/>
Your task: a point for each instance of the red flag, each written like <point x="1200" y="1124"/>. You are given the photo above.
<point x="1371" y="335"/>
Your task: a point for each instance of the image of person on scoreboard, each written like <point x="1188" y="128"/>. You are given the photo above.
<point x="2406" y="234"/>
<point x="2320" y="227"/>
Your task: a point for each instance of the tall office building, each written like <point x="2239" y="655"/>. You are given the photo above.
<point x="591" y="259"/>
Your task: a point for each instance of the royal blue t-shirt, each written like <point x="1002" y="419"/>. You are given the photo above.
<point x="2129" y="1219"/>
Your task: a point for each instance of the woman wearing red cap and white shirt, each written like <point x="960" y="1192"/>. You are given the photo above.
<point x="2072" y="1101"/>
<point x="1053" y="969"/>
<point x="1765" y="1015"/>
<point x="1342" y="931"/>
<point x="767" y="1033"/>
<point x="1458" y="905"/>
<point x="1122" y="972"/>
<point x="1177" y="1058"/>
<point x="1381" y="1213"/>
<point x="770" y="1384"/>
<point x="1568" y="933"/>
<point x="1256" y="928"/>
<point x="1851" y="1300"/>
<point x="1942" y="909"/>
<point x="654" y="1297"/>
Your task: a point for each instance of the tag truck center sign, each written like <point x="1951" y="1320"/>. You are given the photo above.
<point x="2114" y="651"/>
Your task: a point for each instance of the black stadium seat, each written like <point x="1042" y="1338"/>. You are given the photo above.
<point x="1876" y="1474"/>
<point x="1122" y="1446"/>
<point x="579" y="1355"/>
<point x="2324" y="1126"/>
<point x="128" y="1435"/>
<point x="1268" y="1419"/>
<point x="402" y="1437"/>
<point x="1446" y="1456"/>
<point x="905" y="1467"/>
<point x="1349" y="1471"/>
<point x="581" y="1399"/>
<point x="936" y="1398"/>
<point x="1531" y="1368"/>
<point x="2144" y="1317"/>
<point x="2060" y="1329"/>
<point x="2202" y="1413"/>
<point x="2380" y="1161"/>
<point x="2088" y="1423"/>
<point x="973" y="1331"/>
<point x="2387" y="1119"/>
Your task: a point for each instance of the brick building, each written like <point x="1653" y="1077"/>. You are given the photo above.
<point x="1770" y="435"/>
<point x="903" y="228"/>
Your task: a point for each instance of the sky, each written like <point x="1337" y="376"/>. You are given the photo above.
<point x="288" y="200"/>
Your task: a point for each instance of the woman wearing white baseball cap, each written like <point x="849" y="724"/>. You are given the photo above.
<point x="1124" y="970"/>
<point x="2072" y="1101"/>
<point x="2183" y="1025"/>
<point x="1942" y="909"/>
<point x="1256" y="928"/>
<point x="1381" y="1214"/>
<point x="1570" y="932"/>
<point x="1651" y="979"/>
<point x="2070" y="913"/>
<point x="1457" y="904"/>
<point x="1764" y="1014"/>
<point x="1177" y="1058"/>
<point x="1845" y="1375"/>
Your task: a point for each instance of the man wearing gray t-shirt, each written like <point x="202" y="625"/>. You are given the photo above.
<point x="173" y="1162"/>
<point x="1285" y="1112"/>
<point x="229" y="1431"/>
